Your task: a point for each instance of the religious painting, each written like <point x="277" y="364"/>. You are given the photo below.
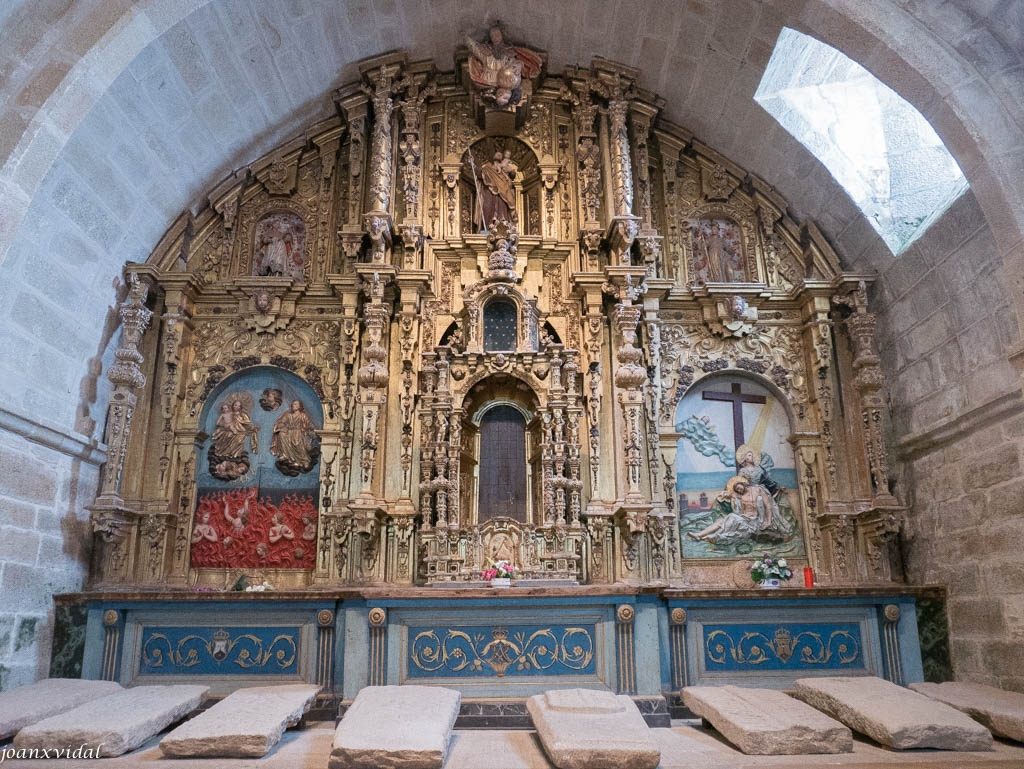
<point x="736" y="482"/>
<point x="717" y="251"/>
<point x="258" y="474"/>
<point x="279" y="249"/>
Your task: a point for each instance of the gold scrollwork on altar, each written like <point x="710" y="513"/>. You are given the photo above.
<point x="527" y="652"/>
<point x="246" y="650"/>
<point x="755" y="648"/>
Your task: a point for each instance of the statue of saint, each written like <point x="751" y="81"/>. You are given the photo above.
<point x="497" y="191"/>
<point x="294" y="442"/>
<point x="498" y="69"/>
<point x="228" y="457"/>
<point x="276" y="259"/>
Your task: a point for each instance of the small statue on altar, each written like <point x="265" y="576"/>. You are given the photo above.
<point x="559" y="428"/>
<point x="442" y="427"/>
<point x="498" y="69"/>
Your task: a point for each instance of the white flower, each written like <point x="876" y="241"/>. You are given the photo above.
<point x="782" y="563"/>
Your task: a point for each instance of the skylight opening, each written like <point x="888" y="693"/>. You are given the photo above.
<point x="876" y="145"/>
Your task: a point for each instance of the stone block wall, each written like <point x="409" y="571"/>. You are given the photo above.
<point x="957" y="427"/>
<point x="965" y="532"/>
<point x="44" y="548"/>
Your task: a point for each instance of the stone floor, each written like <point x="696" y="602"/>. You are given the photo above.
<point x="686" y="745"/>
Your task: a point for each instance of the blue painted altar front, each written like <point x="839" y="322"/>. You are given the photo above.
<point x="648" y="642"/>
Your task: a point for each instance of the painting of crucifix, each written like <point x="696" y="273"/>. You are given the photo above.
<point x="735" y="472"/>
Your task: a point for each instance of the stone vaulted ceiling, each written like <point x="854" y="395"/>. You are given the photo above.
<point x="117" y="115"/>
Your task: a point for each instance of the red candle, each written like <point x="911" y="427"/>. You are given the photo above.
<point x="808" y="576"/>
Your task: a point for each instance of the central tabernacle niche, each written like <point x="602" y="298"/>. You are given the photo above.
<point x="500" y="459"/>
<point x="503" y="464"/>
<point x="500" y="325"/>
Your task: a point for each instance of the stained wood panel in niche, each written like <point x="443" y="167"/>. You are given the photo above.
<point x="500" y="332"/>
<point x="502" y="464"/>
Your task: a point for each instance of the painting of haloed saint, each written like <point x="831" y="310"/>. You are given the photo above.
<point x="717" y="251"/>
<point x="279" y="249"/>
<point x="258" y="474"/>
<point x="736" y="486"/>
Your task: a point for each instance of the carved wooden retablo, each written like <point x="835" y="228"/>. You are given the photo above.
<point x="493" y="315"/>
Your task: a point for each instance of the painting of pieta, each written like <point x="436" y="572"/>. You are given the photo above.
<point x="717" y="245"/>
<point x="279" y="248"/>
<point x="736" y="484"/>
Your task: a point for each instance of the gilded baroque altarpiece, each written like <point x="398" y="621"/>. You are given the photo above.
<point x="308" y="384"/>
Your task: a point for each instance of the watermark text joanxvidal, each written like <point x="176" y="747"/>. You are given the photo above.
<point x="82" y="751"/>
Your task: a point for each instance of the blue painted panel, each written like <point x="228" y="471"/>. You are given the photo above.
<point x="476" y="651"/>
<point x="220" y="651"/>
<point x="789" y="646"/>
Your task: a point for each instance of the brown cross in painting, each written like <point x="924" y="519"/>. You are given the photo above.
<point x="737" y="398"/>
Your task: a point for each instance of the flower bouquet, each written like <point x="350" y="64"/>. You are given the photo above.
<point x="770" y="572"/>
<point x="500" y="574"/>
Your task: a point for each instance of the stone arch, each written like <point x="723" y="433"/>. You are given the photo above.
<point x="965" y="90"/>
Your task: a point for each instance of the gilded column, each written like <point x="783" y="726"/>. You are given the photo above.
<point x="619" y="88"/>
<point x="177" y="458"/>
<point x="869" y="381"/>
<point x="588" y="170"/>
<point x="671" y="148"/>
<point x="650" y="241"/>
<point x="113" y="524"/>
<point x="377" y="221"/>
<point x="632" y="507"/>
<point x="355" y="107"/>
<point x="368" y="508"/>
<point x="410" y="153"/>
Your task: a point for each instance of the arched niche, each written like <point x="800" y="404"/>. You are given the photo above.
<point x="500" y="457"/>
<point x="506" y="307"/>
<point x="279" y="245"/>
<point x="501" y="325"/>
<point x="503" y="488"/>
<point x="736" y="478"/>
<point x="525" y="183"/>
<point x="258" y="473"/>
